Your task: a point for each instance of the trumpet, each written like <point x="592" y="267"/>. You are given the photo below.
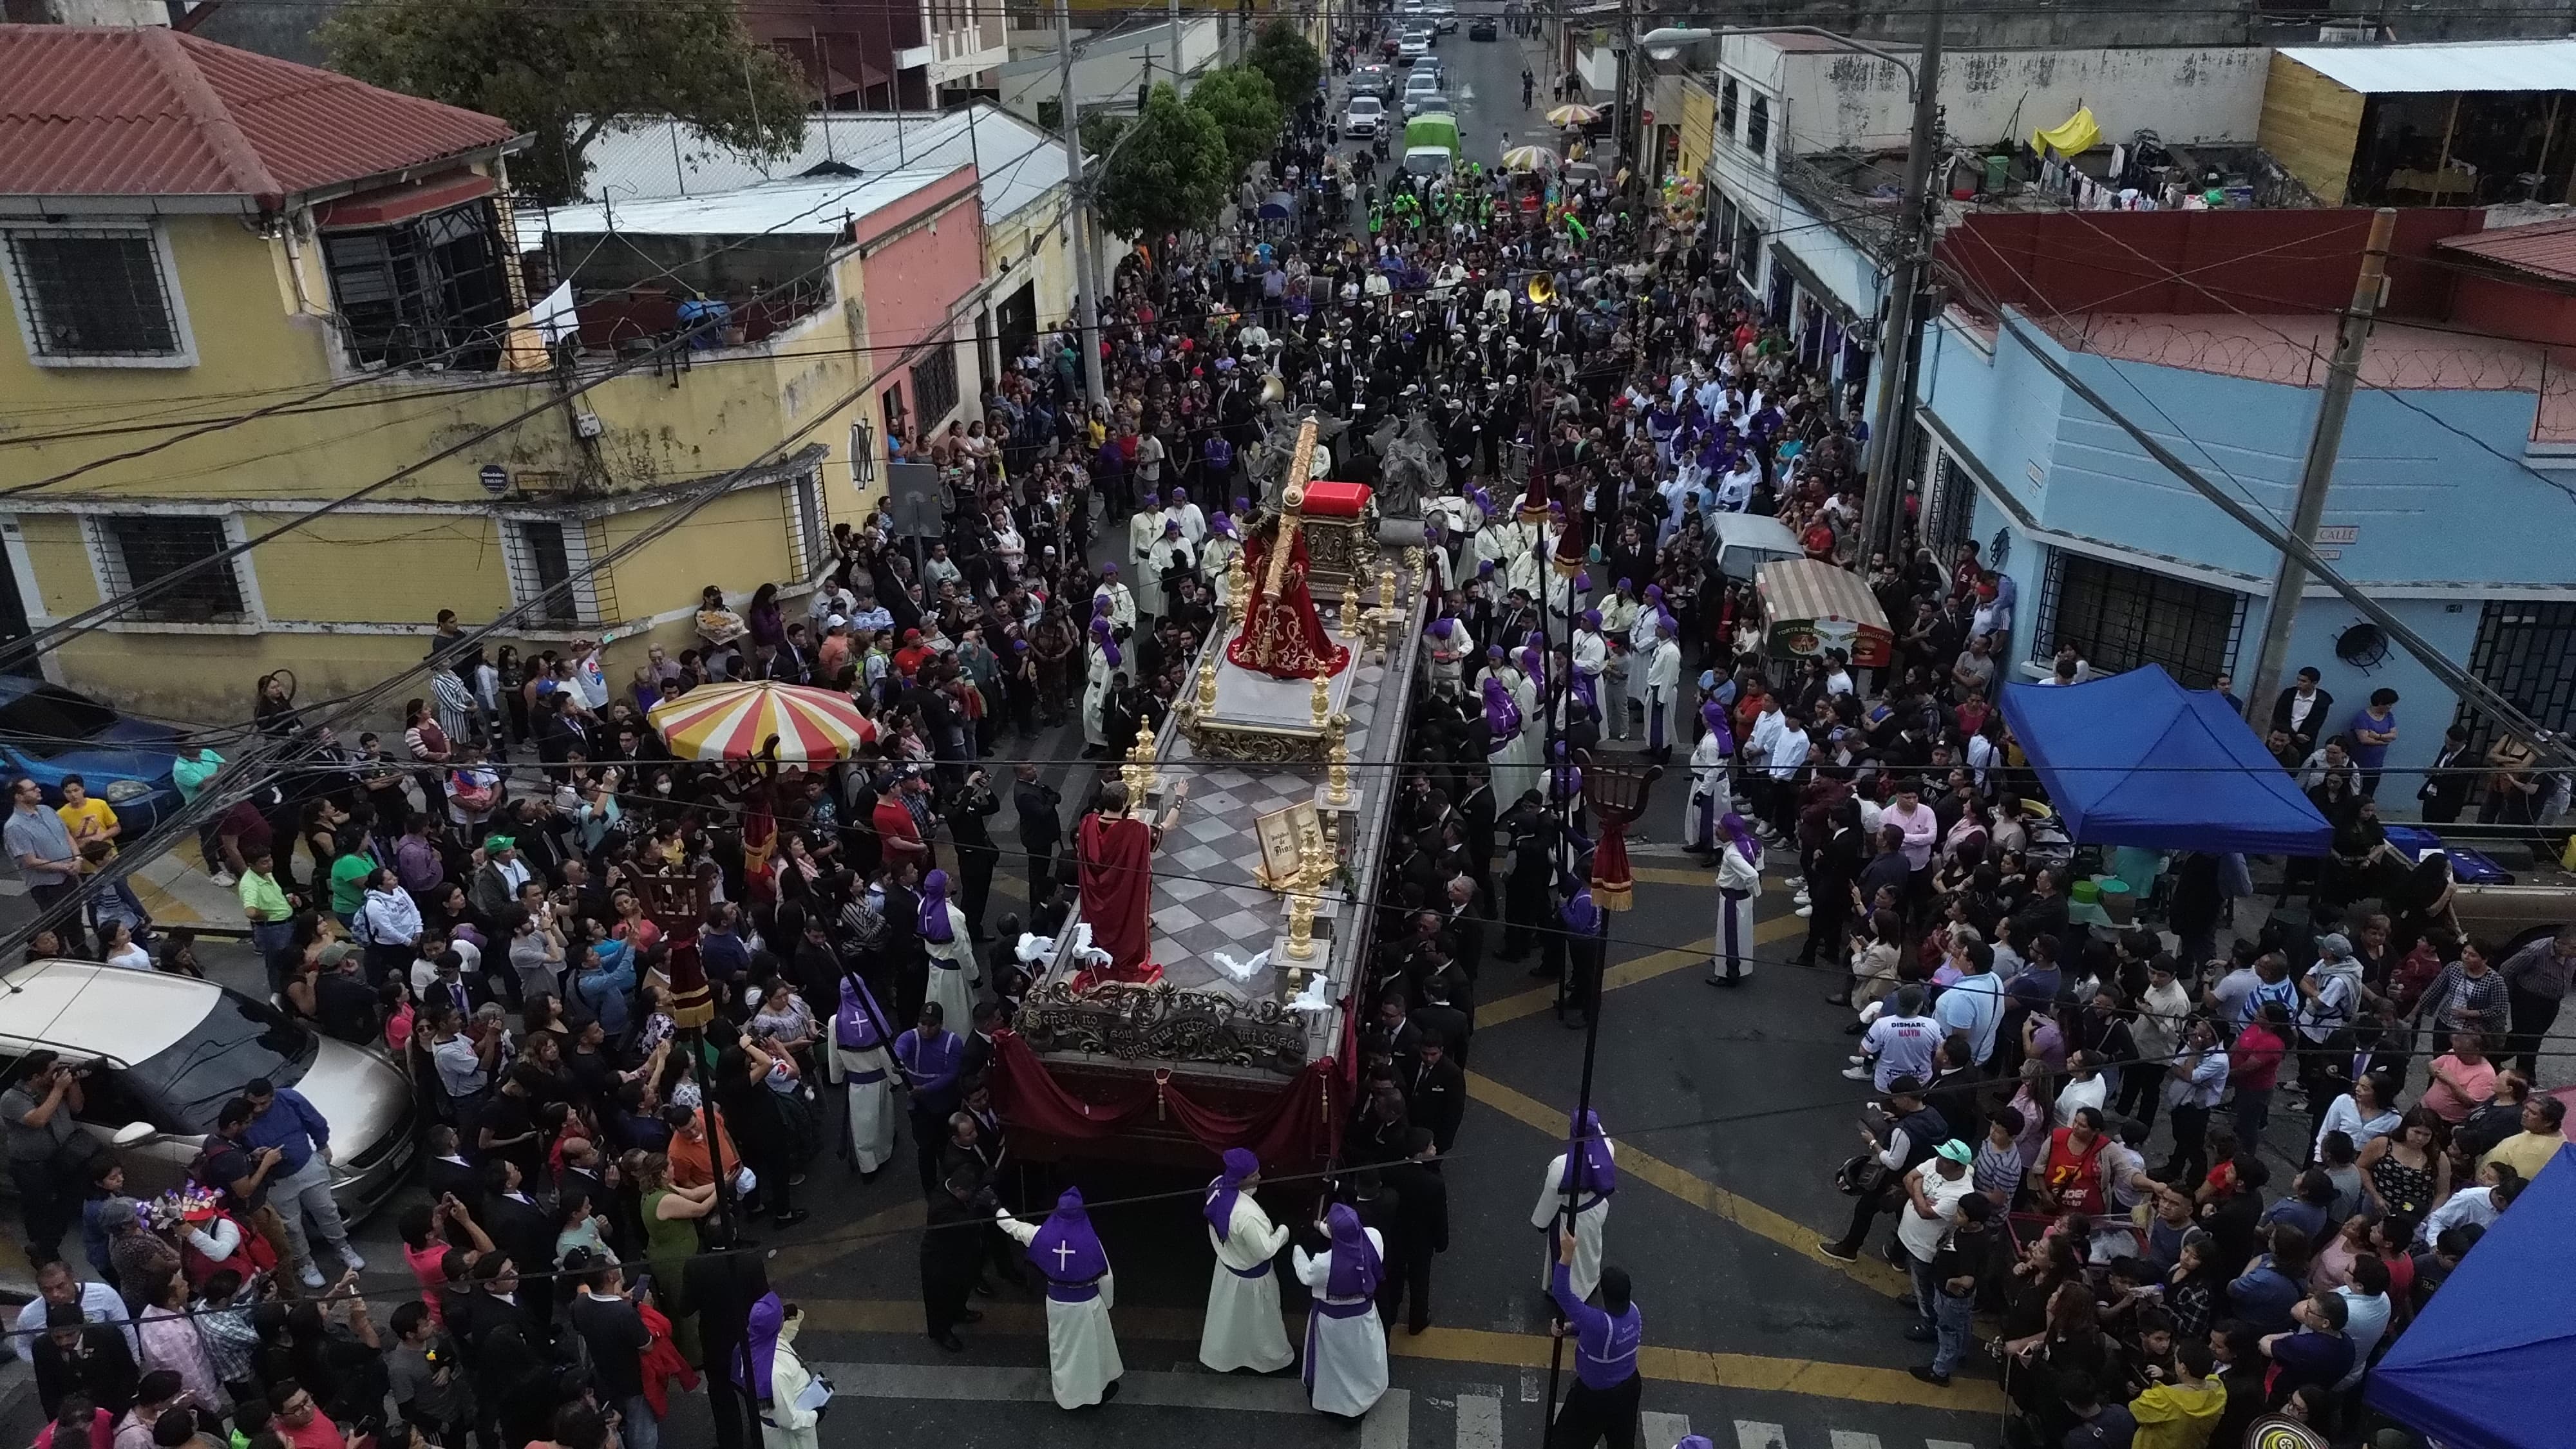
<point x="1542" y="289"/>
<point x="1274" y="388"/>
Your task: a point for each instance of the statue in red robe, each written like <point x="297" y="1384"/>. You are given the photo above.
<point x="1282" y="635"/>
<point x="1113" y="853"/>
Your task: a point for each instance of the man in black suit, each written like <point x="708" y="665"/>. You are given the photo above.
<point x="1435" y="1091"/>
<point x="521" y="1232"/>
<point x="1422" y="1227"/>
<point x="1041" y="827"/>
<point x="1465" y="924"/>
<point x="2446" y="782"/>
<point x="446" y="1173"/>
<point x="75" y="1356"/>
<point x="1476" y="816"/>
<point x="451" y="989"/>
<point x="952" y="1255"/>
<point x="2304" y="712"/>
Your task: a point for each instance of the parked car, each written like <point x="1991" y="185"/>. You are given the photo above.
<point x="1362" y="118"/>
<point x="1483" y="29"/>
<point x="1376" y="80"/>
<point x="166" y="1052"/>
<point x="1423" y="103"/>
<point x="1444" y="17"/>
<point x="47" y="732"/>
<point x="1414" y="46"/>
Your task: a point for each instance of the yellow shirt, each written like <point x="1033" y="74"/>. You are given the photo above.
<point x="88" y="820"/>
<point x="2176" y="1416"/>
<point x="2526" y="1152"/>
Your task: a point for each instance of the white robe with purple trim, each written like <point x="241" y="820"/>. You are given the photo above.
<point x="953" y="976"/>
<point x="1345" y="1357"/>
<point x="1731" y="948"/>
<point x="1242" y="1329"/>
<point x="1082" y="1349"/>
<point x="1590" y="1222"/>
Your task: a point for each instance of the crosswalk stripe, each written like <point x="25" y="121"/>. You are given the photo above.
<point x="1946" y="1444"/>
<point x="1390" y="1424"/>
<point x="1480" y="1421"/>
<point x="1751" y="1434"/>
<point x="1662" y="1431"/>
<point x="1854" y="1439"/>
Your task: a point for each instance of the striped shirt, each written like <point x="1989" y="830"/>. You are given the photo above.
<point x="1998" y="1169"/>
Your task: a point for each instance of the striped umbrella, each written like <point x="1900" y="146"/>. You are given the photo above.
<point x="1573" y="114"/>
<point x="732" y="721"/>
<point x="1529" y="158"/>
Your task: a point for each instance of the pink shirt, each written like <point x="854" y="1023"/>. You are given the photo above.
<point x="2449" y="1105"/>
<point x="1921" y="828"/>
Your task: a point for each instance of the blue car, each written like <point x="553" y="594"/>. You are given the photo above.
<point x="47" y="732"/>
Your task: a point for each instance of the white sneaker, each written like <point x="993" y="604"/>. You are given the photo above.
<point x="1856" y="1074"/>
<point x="311" y="1276"/>
<point x="224" y="878"/>
<point x="349" y="1256"/>
<point x="1857" y="1059"/>
<point x="1803" y="912"/>
<point x="1803" y="898"/>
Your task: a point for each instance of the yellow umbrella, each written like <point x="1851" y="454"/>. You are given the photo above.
<point x="1529" y="158"/>
<point x="732" y="721"/>
<point x="1573" y="114"/>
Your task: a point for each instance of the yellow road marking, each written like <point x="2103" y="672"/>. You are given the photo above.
<point x="164" y="908"/>
<point x="1745" y="1213"/>
<point x="1628" y="973"/>
<point x="1666" y="875"/>
<point x="1809" y="1377"/>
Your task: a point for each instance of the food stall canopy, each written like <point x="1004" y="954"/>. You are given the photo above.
<point x="2136" y="759"/>
<point x="2484" y="1365"/>
<point x="1809" y="606"/>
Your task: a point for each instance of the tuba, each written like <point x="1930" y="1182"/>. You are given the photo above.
<point x="1542" y="288"/>
<point x="1274" y="388"/>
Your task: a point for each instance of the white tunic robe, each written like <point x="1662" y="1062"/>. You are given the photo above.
<point x="1144" y="530"/>
<point x="1712" y="792"/>
<point x="1732" y="948"/>
<point x="1082" y="1349"/>
<point x="1516" y="765"/>
<point x="953" y="977"/>
<point x="1345" y="1357"/>
<point x="871" y="1102"/>
<point x="1243" y="1328"/>
<point x="783" y="1425"/>
<point x="1095" y="693"/>
<point x="1589" y="1224"/>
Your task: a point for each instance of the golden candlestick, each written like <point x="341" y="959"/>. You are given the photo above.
<point x="1337" y="779"/>
<point x="1320" y="703"/>
<point x="1302" y="902"/>
<point x="1415" y="563"/>
<point x="1238" y="587"/>
<point x="1386" y="587"/>
<point x="1207" y="682"/>
<point x="1139" y="771"/>
<point x="1350" y="608"/>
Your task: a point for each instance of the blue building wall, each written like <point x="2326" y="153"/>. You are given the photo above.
<point x="2443" y="524"/>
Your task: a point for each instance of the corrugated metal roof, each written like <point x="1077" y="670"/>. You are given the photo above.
<point x="642" y="157"/>
<point x="151" y="112"/>
<point x="2544" y="249"/>
<point x="815" y="206"/>
<point x="2496" y="65"/>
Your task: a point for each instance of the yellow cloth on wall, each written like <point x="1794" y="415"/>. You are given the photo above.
<point x="2077" y="134"/>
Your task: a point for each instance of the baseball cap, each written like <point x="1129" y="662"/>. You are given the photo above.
<point x="1957" y="1151"/>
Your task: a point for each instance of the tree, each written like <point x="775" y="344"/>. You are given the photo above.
<point x="1171" y="175"/>
<point x="566" y="69"/>
<point x="1289" y="59"/>
<point x="1241" y="102"/>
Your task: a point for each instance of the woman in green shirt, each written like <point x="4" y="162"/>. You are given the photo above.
<point x="670" y="1239"/>
<point x="349" y="877"/>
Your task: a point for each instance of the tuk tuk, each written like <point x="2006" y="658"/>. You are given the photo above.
<point x="1809" y="607"/>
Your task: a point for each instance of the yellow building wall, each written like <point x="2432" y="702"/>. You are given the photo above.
<point x="382" y="568"/>
<point x="1698" y="128"/>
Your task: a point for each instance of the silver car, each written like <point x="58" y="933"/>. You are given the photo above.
<point x="166" y="1052"/>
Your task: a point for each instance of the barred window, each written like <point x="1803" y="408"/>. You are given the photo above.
<point x="934" y="385"/>
<point x="1757" y="124"/>
<point x="135" y="550"/>
<point x="540" y="563"/>
<point x="433" y="289"/>
<point x="1726" y="107"/>
<point x="94" y="293"/>
<point x="2119" y="618"/>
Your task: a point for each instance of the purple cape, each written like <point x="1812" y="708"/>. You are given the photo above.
<point x="1587" y="1158"/>
<point x="1066" y="1250"/>
<point x="934" y="909"/>
<point x="1239" y="1164"/>
<point x="768" y="1316"/>
<point x="1502" y="713"/>
<point x="1732" y="826"/>
<point x="1356" y="1267"/>
<point x="858" y="1025"/>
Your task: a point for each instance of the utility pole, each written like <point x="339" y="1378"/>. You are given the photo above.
<point x="1173" y="10"/>
<point x="2343" y="372"/>
<point x="1086" y="314"/>
<point x="1631" y="79"/>
<point x="1895" y="338"/>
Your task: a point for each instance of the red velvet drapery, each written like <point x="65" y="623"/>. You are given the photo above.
<point x="1299" y="1128"/>
<point x="1613" y="883"/>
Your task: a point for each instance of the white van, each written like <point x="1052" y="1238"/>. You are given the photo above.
<point x="1739" y="543"/>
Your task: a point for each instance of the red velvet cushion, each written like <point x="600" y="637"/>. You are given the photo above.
<point x="1335" y="500"/>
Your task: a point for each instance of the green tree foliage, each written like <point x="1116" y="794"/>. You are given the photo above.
<point x="563" y="69"/>
<point x="1240" y="100"/>
<point x="1289" y="59"/>
<point x="1171" y="175"/>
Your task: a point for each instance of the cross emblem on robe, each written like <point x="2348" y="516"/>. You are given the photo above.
<point x="1063" y="1255"/>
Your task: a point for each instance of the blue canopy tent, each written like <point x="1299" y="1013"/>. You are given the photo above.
<point x="2485" y="1366"/>
<point x="2136" y="759"/>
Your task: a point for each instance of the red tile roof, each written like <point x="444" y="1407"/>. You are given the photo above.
<point x="148" y="111"/>
<point x="2544" y="249"/>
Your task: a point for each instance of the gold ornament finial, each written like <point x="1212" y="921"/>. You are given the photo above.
<point x="1386" y="587"/>
<point x="1320" y="702"/>
<point x="1351" y="608"/>
<point x="1415" y="562"/>
<point x="1207" y="683"/>
<point x="1139" y="772"/>
<point x="1337" y="780"/>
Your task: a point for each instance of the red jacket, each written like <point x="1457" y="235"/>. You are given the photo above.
<point x="2254" y="1063"/>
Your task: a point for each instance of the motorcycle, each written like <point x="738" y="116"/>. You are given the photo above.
<point x="1377" y="142"/>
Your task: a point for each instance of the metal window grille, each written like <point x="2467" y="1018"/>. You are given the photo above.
<point x="934" y="384"/>
<point x="540" y="566"/>
<point x="2527" y="653"/>
<point x="2119" y="618"/>
<point x="1946" y="494"/>
<point x="805" y="525"/>
<point x="94" y="293"/>
<point x="1726" y="108"/>
<point x="1757" y="125"/>
<point x="135" y="550"/>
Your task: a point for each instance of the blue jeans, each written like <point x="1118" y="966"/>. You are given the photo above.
<point x="270" y="939"/>
<point x="1954" y="1319"/>
<point x="2253" y="1114"/>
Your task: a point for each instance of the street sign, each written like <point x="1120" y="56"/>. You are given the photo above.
<point x="496" y="479"/>
<point x="912" y="501"/>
